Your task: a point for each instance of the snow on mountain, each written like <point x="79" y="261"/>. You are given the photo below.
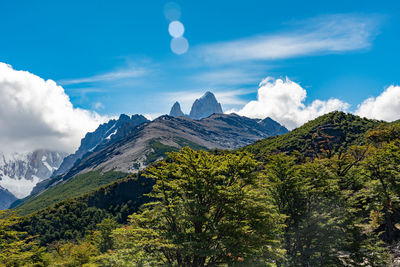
<point x="20" y="172"/>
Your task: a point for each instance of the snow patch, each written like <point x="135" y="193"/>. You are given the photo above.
<point x="19" y="187"/>
<point x="109" y="137"/>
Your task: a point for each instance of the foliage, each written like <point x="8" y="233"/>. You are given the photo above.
<point x="210" y="210"/>
<point x="17" y="248"/>
<point x="330" y="133"/>
<point x="73" y="219"/>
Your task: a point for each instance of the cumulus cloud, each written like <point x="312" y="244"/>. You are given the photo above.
<point x="35" y="113"/>
<point x="386" y="106"/>
<point x="283" y="101"/>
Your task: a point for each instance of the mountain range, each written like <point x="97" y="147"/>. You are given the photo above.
<point x="129" y="144"/>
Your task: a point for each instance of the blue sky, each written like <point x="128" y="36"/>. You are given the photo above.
<point x="115" y="57"/>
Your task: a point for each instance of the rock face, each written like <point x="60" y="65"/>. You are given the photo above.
<point x="176" y="110"/>
<point x="19" y="173"/>
<point x="105" y="133"/>
<point x="6" y="198"/>
<point x="205" y="106"/>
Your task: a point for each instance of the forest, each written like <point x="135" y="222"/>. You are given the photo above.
<point x="325" y="194"/>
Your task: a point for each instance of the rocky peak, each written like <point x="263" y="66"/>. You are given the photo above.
<point x="107" y="132"/>
<point x="176" y="110"/>
<point x="205" y="106"/>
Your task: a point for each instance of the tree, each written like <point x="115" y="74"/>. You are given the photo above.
<point x="209" y="210"/>
<point x="102" y="236"/>
<point x="382" y="172"/>
<point x="323" y="220"/>
<point x="17" y="248"/>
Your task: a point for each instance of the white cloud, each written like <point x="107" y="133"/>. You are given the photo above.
<point x="35" y="113"/>
<point x="386" y="106"/>
<point x="321" y="35"/>
<point x="283" y="101"/>
<point x="126" y="73"/>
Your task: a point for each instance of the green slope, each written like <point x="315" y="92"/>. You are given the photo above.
<point x="332" y="132"/>
<point x="71" y="219"/>
<point x="74" y="187"/>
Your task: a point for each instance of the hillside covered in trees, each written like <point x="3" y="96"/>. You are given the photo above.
<point x="325" y="194"/>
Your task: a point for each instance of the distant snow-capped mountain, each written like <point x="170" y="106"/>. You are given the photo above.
<point x="20" y="172"/>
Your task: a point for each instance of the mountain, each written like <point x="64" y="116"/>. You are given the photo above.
<point x="6" y="198"/>
<point x="176" y="110"/>
<point x="19" y="173"/>
<point x="106" y="132"/>
<point x="330" y="133"/>
<point x="146" y="143"/>
<point x="205" y="106"/>
<point x="149" y="141"/>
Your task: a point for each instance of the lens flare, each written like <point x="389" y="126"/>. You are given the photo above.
<point x="172" y="11"/>
<point x="179" y="45"/>
<point x="176" y="29"/>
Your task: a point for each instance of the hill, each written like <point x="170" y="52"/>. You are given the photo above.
<point x="330" y="133"/>
<point x="69" y="189"/>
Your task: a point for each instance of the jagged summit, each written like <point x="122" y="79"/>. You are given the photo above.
<point x="176" y="110"/>
<point x="106" y="132"/>
<point x="205" y="106"/>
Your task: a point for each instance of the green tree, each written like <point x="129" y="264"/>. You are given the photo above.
<point x="17" y="248"/>
<point x="209" y="210"/>
<point x="102" y="236"/>
<point x="382" y="172"/>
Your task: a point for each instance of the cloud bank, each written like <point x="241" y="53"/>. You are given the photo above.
<point x="35" y="113"/>
<point x="283" y="101"/>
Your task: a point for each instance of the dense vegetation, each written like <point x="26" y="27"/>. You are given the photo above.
<point x="74" y="218"/>
<point x="74" y="187"/>
<point x="329" y="195"/>
<point x="331" y="133"/>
